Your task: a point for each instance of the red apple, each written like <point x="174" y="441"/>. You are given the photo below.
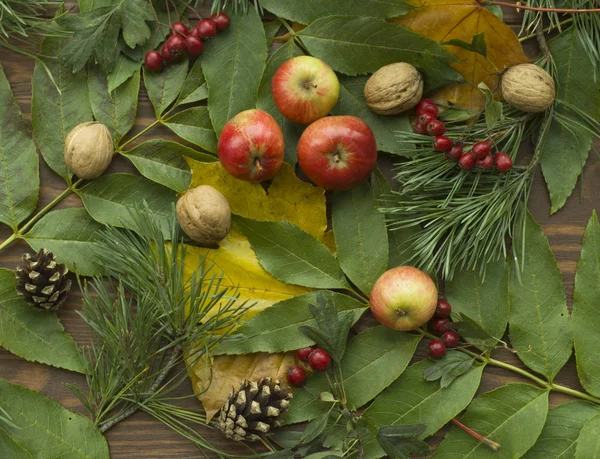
<point x="404" y="298"/>
<point x="251" y="146"/>
<point x="337" y="152"/>
<point x="305" y="89"/>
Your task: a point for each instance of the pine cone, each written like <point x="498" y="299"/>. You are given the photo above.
<point x="254" y="409"/>
<point x="42" y="281"/>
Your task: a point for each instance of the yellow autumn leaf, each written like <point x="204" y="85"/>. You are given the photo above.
<point x="443" y="20"/>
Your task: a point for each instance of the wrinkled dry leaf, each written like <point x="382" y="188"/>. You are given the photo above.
<point x="443" y="20"/>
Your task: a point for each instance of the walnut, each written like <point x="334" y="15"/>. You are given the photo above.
<point x="204" y="215"/>
<point x="394" y="89"/>
<point x="88" y="150"/>
<point x="528" y="88"/>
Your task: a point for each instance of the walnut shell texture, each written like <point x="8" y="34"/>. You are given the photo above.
<point x="394" y="89"/>
<point x="204" y="215"/>
<point x="528" y="88"/>
<point x="89" y="150"/>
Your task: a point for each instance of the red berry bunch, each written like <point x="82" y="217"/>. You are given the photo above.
<point x="184" y="41"/>
<point x="317" y="359"/>
<point x="440" y="325"/>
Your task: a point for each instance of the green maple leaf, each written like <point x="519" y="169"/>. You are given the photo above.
<point x="97" y="32"/>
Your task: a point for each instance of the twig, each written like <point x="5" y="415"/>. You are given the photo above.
<point x="545" y="10"/>
<point x="542" y="43"/>
<point x="486" y="441"/>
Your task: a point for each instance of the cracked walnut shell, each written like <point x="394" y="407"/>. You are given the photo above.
<point x="204" y="215"/>
<point x="88" y="150"/>
<point x="394" y="89"/>
<point x="528" y="88"/>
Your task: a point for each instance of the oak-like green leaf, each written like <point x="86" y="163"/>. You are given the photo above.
<point x="34" y="336"/>
<point x="111" y="199"/>
<point x="57" y="106"/>
<point x="561" y="431"/>
<point x="539" y="324"/>
<point x="233" y="66"/>
<point x="512" y="415"/>
<point x="44" y="429"/>
<point x="276" y="329"/>
<point x="357" y="45"/>
<point x="291" y="255"/>
<point x="360" y="236"/>
<point x="586" y="307"/>
<point x="19" y="175"/>
<point x="194" y="126"/>
<point x="71" y="234"/>
<point x="163" y="87"/>
<point x="588" y="443"/>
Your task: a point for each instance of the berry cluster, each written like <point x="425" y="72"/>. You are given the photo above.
<point x="183" y="41"/>
<point x="317" y="359"/>
<point x="440" y="324"/>
<point x="480" y="154"/>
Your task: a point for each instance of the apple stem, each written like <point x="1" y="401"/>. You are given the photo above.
<point x="257" y="164"/>
<point x="486" y="441"/>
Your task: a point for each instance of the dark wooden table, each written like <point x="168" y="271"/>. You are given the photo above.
<point x="142" y="437"/>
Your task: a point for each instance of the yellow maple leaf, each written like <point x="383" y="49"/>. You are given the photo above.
<point x="443" y="20"/>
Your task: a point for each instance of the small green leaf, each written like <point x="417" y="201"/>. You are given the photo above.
<point x="71" y="234"/>
<point x="194" y="88"/>
<point x="315" y="428"/>
<point x="20" y="175"/>
<point x="291" y="255"/>
<point x="539" y="324"/>
<point x="46" y="429"/>
<point x="399" y="442"/>
<point x="233" y="66"/>
<point x="360" y="236"/>
<point x="477" y="44"/>
<point x="448" y="368"/>
<point x="456" y="115"/>
<point x="586" y="298"/>
<point x="164" y="87"/>
<point x="588" y="443"/>
<point x="33" y="335"/>
<point x="470" y="329"/>
<point x="271" y="30"/>
<point x="194" y="126"/>
<point x="124" y="69"/>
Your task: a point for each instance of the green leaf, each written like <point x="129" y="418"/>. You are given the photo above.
<point x="477" y="44"/>
<point x="315" y="428"/>
<point x="20" y="172"/>
<point x="399" y="442"/>
<point x="566" y="145"/>
<point x="307" y="11"/>
<point x="110" y="199"/>
<point x="291" y="131"/>
<point x="194" y="126"/>
<point x="291" y="255"/>
<point x="46" y="429"/>
<point x="71" y="234"/>
<point x="276" y="329"/>
<point x="33" y="335"/>
<point x="588" y="443"/>
<point x="352" y="102"/>
<point x="512" y="415"/>
<point x="194" y="88"/>
<point x="116" y="110"/>
<point x="468" y="328"/>
<point x="413" y="400"/>
<point x="358" y="45"/>
<point x="448" y="368"/>
<point x="373" y="360"/>
<point x="271" y="30"/>
<point x="233" y="66"/>
<point x="539" y="324"/>
<point x="54" y="112"/>
<point x="163" y="87"/>
<point x="559" y="435"/>
<point x="483" y="298"/>
<point x="586" y="299"/>
<point x="360" y="236"/>
<point x="124" y="69"/>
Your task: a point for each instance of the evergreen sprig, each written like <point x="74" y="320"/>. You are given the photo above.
<point x="236" y="5"/>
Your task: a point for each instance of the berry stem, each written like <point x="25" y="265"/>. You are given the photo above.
<point x="486" y="441"/>
<point x="544" y="10"/>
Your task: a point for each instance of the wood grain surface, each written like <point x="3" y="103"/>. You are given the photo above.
<point x="142" y="437"/>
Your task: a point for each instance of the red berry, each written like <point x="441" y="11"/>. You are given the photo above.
<point x="437" y="349"/>
<point x="176" y="44"/>
<point x="440" y="324"/>
<point x="303" y="353"/>
<point x="178" y="28"/>
<point x="427" y="106"/>
<point x="443" y="309"/>
<point x="194" y="46"/>
<point x="296" y="376"/>
<point x="206" y="29"/>
<point x="194" y="33"/>
<point x="442" y="143"/>
<point x="467" y="161"/>
<point x="420" y="128"/>
<point x="486" y="162"/>
<point x="166" y="53"/>
<point x="425" y="118"/>
<point x="221" y="20"/>
<point x="436" y="127"/>
<point x="451" y="338"/>
<point x="482" y="149"/>
<point x="503" y="162"/>
<point x="455" y="152"/>
<point x="153" y="61"/>
<point x="319" y="360"/>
